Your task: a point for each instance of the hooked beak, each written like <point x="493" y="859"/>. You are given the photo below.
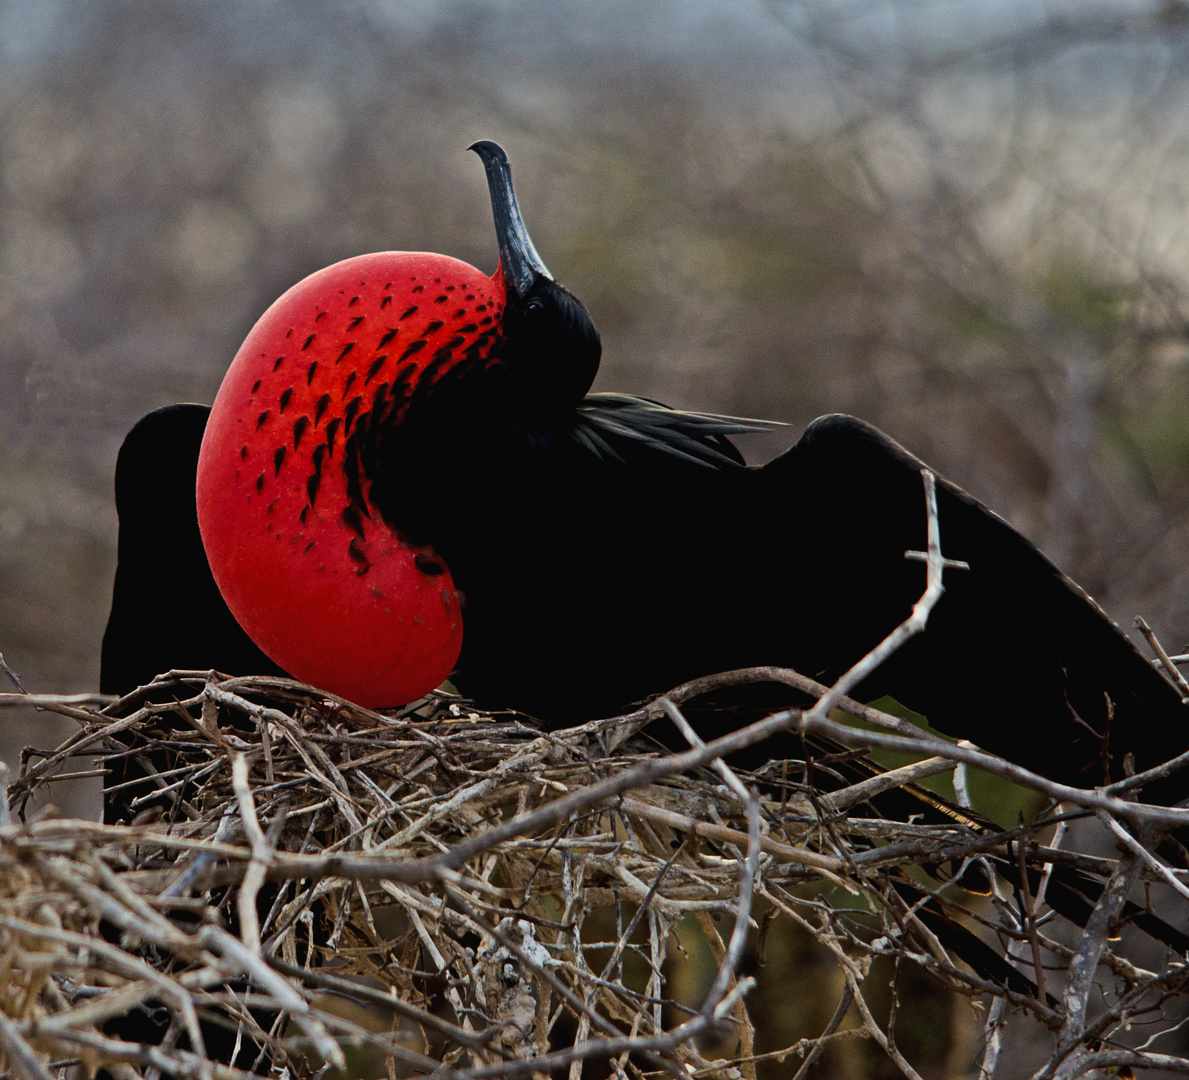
<point x="518" y="256"/>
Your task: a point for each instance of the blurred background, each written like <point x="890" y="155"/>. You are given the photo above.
<point x="963" y="220"/>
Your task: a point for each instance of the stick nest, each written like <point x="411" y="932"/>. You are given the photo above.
<point x="307" y="885"/>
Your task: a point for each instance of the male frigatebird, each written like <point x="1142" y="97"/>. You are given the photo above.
<point x="404" y="476"/>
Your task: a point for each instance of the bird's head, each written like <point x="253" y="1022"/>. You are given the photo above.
<point x="549" y="348"/>
<point x="324" y="585"/>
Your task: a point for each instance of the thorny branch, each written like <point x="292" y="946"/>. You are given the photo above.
<point x="455" y="872"/>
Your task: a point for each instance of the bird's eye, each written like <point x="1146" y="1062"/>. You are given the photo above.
<point x="535" y="304"/>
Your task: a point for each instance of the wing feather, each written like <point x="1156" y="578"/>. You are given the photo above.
<point x="615" y="427"/>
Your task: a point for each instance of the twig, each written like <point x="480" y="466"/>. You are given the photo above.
<point x="1165" y="660"/>
<point x="13" y="677"/>
<point x="1142" y="853"/>
<point x="1028" y="919"/>
<point x="249" y="923"/>
<point x="913" y="625"/>
<point x="18" y="1052"/>
<point x="819" y="1044"/>
<point x="854" y="794"/>
<point x="1091" y="799"/>
<point x="1069" y="1049"/>
<point x="223" y="944"/>
<point x="695" y="740"/>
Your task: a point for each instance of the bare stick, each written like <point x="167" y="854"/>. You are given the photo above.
<point x="1082" y="967"/>
<point x="1166" y="661"/>
<point x="25" y="1063"/>
<point x="249" y="923"/>
<point x="913" y="625"/>
<point x="1028" y="919"/>
<point x="1141" y="852"/>
<point x="695" y="740"/>
<point x="716" y="1004"/>
<point x="847" y="797"/>
<point x="223" y="944"/>
<point x="13" y="677"/>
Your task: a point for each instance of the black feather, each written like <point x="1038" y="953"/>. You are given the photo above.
<point x="700" y="438"/>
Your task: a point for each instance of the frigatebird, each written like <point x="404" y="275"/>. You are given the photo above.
<point x="404" y="476"/>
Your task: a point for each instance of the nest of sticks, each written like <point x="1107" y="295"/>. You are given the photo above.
<point x="303" y="885"/>
<point x="307" y="885"/>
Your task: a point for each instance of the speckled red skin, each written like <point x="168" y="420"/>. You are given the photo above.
<point x="327" y="589"/>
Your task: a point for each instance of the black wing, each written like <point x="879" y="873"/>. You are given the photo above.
<point x="166" y="610"/>
<point x="1016" y="657"/>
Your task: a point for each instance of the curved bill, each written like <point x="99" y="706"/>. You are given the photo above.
<point x="518" y="256"/>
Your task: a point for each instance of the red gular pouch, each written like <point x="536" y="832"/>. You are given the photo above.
<point x="328" y="589"/>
